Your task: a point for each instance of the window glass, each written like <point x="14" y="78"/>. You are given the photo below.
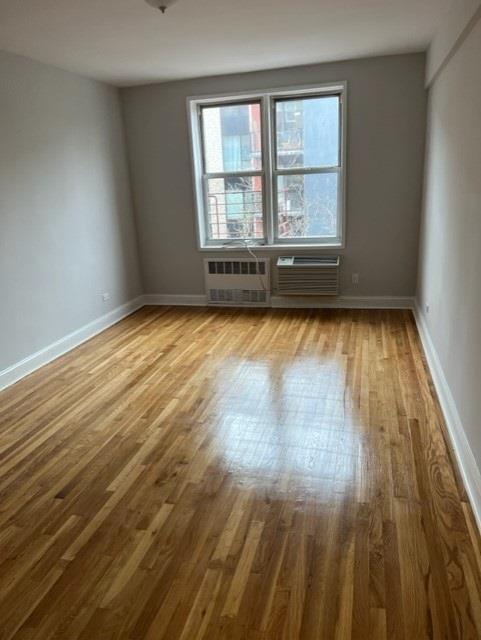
<point x="235" y="208"/>
<point x="307" y="205"/>
<point x="232" y="138"/>
<point x="307" y="132"/>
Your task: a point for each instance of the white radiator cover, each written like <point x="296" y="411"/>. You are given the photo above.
<point x="308" y="275"/>
<point x="237" y="282"/>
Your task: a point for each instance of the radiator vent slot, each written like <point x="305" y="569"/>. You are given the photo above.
<point x="237" y="296"/>
<point x="308" y="275"/>
<point x="237" y="282"/>
<point x="237" y="267"/>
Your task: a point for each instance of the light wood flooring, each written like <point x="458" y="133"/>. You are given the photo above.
<point x="235" y="474"/>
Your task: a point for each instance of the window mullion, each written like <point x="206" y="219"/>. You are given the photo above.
<point x="306" y="171"/>
<point x="233" y="174"/>
<point x="205" y="196"/>
<point x="267" y="164"/>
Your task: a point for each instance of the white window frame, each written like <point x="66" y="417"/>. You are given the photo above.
<point x="269" y="170"/>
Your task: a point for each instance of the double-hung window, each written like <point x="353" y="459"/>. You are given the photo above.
<point x="269" y="167"/>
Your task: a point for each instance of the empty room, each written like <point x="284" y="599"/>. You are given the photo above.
<point x="240" y="320"/>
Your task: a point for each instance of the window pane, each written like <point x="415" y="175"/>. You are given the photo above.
<point x="232" y="138"/>
<point x="307" y="205"/>
<point x="235" y="208"/>
<point x="307" y="132"/>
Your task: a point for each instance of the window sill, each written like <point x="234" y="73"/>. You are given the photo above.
<point x="272" y="247"/>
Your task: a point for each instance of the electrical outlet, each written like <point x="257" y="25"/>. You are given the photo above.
<point x="106" y="296"/>
<point x="427" y="307"/>
<point x="355" y="278"/>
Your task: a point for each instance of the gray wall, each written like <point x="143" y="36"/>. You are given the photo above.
<point x="450" y="249"/>
<point x="66" y="227"/>
<point x="386" y="130"/>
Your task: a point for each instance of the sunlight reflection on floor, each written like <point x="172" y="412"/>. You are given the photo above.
<point x="291" y="426"/>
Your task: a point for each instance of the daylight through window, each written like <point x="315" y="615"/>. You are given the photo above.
<point x="269" y="168"/>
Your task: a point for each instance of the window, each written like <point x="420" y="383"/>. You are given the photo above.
<point x="269" y="168"/>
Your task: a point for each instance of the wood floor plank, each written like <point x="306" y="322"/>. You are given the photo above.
<point x="226" y="474"/>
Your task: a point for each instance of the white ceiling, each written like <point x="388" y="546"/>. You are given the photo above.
<point x="128" y="42"/>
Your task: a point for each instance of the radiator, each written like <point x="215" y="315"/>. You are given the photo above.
<point x="302" y="275"/>
<point x="238" y="282"/>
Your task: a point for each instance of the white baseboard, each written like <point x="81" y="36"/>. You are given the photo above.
<point x="342" y="302"/>
<point x="294" y="302"/>
<point x="33" y="362"/>
<point x="161" y="299"/>
<point x="467" y="463"/>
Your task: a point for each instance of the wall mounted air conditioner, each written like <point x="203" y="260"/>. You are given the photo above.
<point x="303" y="275"/>
<point x="238" y="282"/>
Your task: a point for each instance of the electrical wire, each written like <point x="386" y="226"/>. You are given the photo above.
<point x="248" y="246"/>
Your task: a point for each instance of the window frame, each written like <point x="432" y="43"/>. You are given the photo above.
<point x="269" y="171"/>
<point x="206" y="175"/>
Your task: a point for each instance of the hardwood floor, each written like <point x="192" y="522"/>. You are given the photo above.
<point x="198" y="473"/>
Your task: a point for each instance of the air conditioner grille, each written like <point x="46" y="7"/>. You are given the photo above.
<point x="308" y="275"/>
